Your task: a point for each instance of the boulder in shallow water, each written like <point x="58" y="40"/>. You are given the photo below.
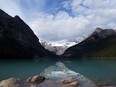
<point x="70" y="82"/>
<point x="74" y="84"/>
<point x="14" y="82"/>
<point x="36" y="79"/>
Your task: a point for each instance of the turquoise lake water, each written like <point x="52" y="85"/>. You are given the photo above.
<point x="99" y="71"/>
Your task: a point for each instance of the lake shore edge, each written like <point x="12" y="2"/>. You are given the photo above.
<point x="41" y="81"/>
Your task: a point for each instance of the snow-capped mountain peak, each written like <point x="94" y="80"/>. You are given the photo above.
<point x="59" y="47"/>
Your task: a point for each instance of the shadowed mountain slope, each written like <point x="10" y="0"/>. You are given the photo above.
<point x="100" y="44"/>
<point x="18" y="41"/>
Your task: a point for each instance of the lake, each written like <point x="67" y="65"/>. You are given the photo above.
<point x="99" y="71"/>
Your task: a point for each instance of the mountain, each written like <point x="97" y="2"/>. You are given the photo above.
<point x="18" y="41"/>
<point x="100" y="44"/>
<point x="58" y="47"/>
<point x="53" y="48"/>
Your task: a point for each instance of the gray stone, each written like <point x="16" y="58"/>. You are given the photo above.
<point x="36" y="79"/>
<point x="14" y="82"/>
<point x="69" y="82"/>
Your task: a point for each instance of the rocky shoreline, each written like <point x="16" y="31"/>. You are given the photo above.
<point x="41" y="81"/>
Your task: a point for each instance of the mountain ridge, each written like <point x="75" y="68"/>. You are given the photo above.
<point x="100" y="44"/>
<point x="17" y="40"/>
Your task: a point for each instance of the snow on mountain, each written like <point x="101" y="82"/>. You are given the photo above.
<point x="59" y="47"/>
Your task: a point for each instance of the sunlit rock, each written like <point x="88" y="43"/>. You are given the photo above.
<point x="14" y="82"/>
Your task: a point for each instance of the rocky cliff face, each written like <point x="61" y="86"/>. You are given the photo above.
<point x="17" y="40"/>
<point x="100" y="44"/>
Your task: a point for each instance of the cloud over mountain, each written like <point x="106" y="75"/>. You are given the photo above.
<point x="63" y="19"/>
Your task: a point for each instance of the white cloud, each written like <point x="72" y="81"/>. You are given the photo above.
<point x="88" y="14"/>
<point x="58" y="27"/>
<point x="11" y="7"/>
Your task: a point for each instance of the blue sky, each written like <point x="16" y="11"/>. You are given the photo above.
<point x="54" y="20"/>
